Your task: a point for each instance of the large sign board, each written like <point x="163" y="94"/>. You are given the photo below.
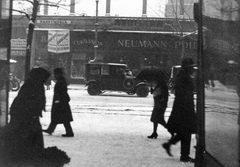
<point x="59" y="41"/>
<point x="18" y="44"/>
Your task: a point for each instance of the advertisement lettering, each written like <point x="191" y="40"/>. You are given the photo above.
<point x="155" y="44"/>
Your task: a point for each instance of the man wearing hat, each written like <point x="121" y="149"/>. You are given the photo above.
<point x="61" y="111"/>
<point x="182" y="120"/>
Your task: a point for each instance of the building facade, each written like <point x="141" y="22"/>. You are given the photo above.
<point x="182" y="9"/>
<point x="136" y="49"/>
<point x="137" y="42"/>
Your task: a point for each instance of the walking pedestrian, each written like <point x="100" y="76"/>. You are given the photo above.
<point x="160" y="96"/>
<point x="182" y="120"/>
<point x="61" y="111"/>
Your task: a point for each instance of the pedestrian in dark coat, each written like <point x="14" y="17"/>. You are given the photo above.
<point x="61" y="111"/>
<point x="24" y="132"/>
<point x="182" y="120"/>
<point x="160" y="96"/>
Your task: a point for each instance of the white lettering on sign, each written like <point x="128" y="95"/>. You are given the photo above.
<point x="58" y="41"/>
<point x="87" y="41"/>
<point x="54" y="21"/>
<point x="18" y="52"/>
<point x="155" y="44"/>
<point x="18" y="44"/>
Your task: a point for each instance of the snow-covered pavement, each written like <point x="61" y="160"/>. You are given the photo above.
<point x="112" y="139"/>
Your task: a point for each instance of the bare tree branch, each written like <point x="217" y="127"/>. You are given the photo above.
<point x="47" y="4"/>
<point x="27" y="15"/>
<point x="29" y="1"/>
<point x="56" y="3"/>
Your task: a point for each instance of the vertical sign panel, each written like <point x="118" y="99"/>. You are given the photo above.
<point x="5" y="34"/>
<point x="5" y="14"/>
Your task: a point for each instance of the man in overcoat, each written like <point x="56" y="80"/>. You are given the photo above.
<point x="61" y="111"/>
<point x="182" y="120"/>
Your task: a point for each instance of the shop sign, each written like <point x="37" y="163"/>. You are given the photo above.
<point x="126" y="43"/>
<point x="131" y="43"/>
<point x="87" y="41"/>
<point x="58" y="41"/>
<point x="18" y="52"/>
<point x="18" y="44"/>
<point x="54" y="21"/>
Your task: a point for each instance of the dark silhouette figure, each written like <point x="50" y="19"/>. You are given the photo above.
<point x="182" y="120"/>
<point x="21" y="141"/>
<point x="26" y="109"/>
<point x="160" y="96"/>
<point x="61" y="111"/>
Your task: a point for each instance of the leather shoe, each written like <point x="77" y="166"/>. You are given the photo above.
<point x="166" y="146"/>
<point x="187" y="159"/>
<point x="68" y="135"/>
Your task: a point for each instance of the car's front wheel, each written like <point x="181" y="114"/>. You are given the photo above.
<point x="142" y="91"/>
<point x="93" y="89"/>
<point x="14" y="86"/>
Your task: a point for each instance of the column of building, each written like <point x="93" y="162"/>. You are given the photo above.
<point x="108" y="8"/>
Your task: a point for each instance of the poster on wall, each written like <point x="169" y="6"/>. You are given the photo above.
<point x="59" y="41"/>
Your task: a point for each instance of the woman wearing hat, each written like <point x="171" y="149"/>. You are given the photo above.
<point x="182" y="120"/>
<point x="61" y="111"/>
<point x="24" y="132"/>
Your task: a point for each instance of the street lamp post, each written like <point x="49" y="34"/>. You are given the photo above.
<point x="96" y="32"/>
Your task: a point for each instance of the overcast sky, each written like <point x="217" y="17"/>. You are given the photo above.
<point x="128" y="8"/>
<point x="155" y="8"/>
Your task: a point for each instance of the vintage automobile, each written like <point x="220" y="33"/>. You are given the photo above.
<point x="102" y="77"/>
<point x="173" y="74"/>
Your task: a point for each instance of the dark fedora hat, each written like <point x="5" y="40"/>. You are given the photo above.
<point x="187" y="62"/>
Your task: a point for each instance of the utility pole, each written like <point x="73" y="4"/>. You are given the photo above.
<point x="96" y="32"/>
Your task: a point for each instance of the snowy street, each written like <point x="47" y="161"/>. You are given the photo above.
<point x="111" y="131"/>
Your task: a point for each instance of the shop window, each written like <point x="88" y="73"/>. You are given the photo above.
<point x="95" y="70"/>
<point x="78" y="66"/>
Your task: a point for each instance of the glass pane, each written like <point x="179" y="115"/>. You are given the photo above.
<point x="78" y="66"/>
<point x="105" y="70"/>
<point x="95" y="69"/>
<point x="221" y="67"/>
